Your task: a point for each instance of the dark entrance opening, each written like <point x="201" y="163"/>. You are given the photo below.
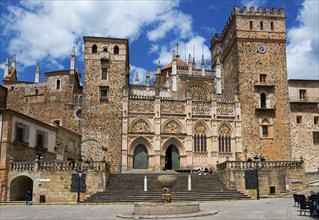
<point x="140" y="160"/>
<point x="171" y="158"/>
<point x="19" y="187"/>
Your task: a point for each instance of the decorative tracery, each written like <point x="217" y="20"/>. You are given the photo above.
<point x="224" y="139"/>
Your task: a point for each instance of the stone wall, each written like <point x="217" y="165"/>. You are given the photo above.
<point x="3" y="97"/>
<point x="282" y="176"/>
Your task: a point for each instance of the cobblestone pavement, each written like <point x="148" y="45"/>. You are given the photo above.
<point x="270" y="208"/>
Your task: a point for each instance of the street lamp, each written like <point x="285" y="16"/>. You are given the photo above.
<point x="79" y="184"/>
<point x="258" y="166"/>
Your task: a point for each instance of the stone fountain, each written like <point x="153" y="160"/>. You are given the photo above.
<point x="167" y="208"/>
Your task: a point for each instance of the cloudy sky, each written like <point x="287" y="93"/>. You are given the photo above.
<point x="44" y="32"/>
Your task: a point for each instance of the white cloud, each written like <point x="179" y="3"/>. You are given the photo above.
<point x="47" y="30"/>
<point x="253" y="3"/>
<point x="195" y="44"/>
<point x="141" y="75"/>
<point x="303" y="49"/>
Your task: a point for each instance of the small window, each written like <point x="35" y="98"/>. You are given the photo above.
<point x="58" y="84"/>
<point x="105" y="50"/>
<point x="263" y="100"/>
<point x="36" y="92"/>
<point x="316" y="137"/>
<point x="251" y="25"/>
<point x="261" y="25"/>
<point x="104" y="73"/>
<point x="262" y="77"/>
<point x="116" y="50"/>
<point x="299" y="119"/>
<point x="19" y="134"/>
<point x="94" y="48"/>
<point x="40" y="140"/>
<point x="79" y="113"/>
<point x="265" y="132"/>
<point x="272" y="26"/>
<point x="104" y="92"/>
<point x="81" y="101"/>
<point x="76" y="100"/>
<point x="302" y="94"/>
<point x="316" y="120"/>
<point x="56" y="123"/>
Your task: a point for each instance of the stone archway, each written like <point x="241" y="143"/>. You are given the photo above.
<point x="172" y="161"/>
<point x="19" y="186"/>
<point x="140" y="159"/>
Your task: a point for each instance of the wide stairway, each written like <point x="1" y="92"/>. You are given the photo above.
<point x="129" y="187"/>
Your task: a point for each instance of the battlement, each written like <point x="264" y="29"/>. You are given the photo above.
<point x="252" y="12"/>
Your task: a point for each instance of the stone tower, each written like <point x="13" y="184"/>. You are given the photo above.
<point x="252" y="51"/>
<point x="106" y="75"/>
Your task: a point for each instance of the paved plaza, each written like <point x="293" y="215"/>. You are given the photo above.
<point x="270" y="208"/>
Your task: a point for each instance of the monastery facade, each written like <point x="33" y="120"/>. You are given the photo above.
<point x="190" y="116"/>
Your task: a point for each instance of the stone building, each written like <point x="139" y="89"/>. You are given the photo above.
<point x="189" y="116"/>
<point x="25" y="139"/>
<point x="3" y="96"/>
<point x="304" y="121"/>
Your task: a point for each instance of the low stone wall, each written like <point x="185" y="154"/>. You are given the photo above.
<point x="274" y="176"/>
<point x="311" y="176"/>
<point x="52" y="180"/>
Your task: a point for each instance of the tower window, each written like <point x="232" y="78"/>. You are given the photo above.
<point x="104" y="73"/>
<point x="251" y="25"/>
<point x="81" y="100"/>
<point x="302" y="94"/>
<point x="299" y="119"/>
<point x="316" y="120"/>
<point x="104" y="92"/>
<point x="261" y="25"/>
<point x="76" y="100"/>
<point x="262" y="77"/>
<point x="58" y="84"/>
<point x="262" y="100"/>
<point x="315" y="137"/>
<point x="265" y="132"/>
<point x="56" y="123"/>
<point x="116" y="50"/>
<point x="105" y="50"/>
<point x="94" y="48"/>
<point x="272" y="26"/>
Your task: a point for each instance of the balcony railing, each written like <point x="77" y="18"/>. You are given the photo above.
<point x="304" y="100"/>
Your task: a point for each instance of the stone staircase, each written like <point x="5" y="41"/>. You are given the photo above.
<point x="129" y="187"/>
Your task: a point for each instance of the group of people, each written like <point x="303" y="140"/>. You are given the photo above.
<point x="204" y="171"/>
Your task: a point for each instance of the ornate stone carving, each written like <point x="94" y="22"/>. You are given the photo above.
<point x="173" y="107"/>
<point x="199" y="93"/>
<point x="224" y="130"/>
<point x="140" y="126"/>
<point x="141" y="106"/>
<point x="200" y="129"/>
<point x="201" y="108"/>
<point x="172" y="127"/>
<point x="225" y="109"/>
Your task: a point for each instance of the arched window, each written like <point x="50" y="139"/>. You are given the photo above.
<point x="76" y="100"/>
<point x="105" y="50"/>
<point x="251" y="25"/>
<point x="94" y="48"/>
<point x="272" y="26"/>
<point x="224" y="139"/>
<point x="116" y="50"/>
<point x="58" y="84"/>
<point x="200" y="139"/>
<point x="261" y="25"/>
<point x="81" y="101"/>
<point x="36" y="92"/>
<point x="263" y="100"/>
<point x="265" y="128"/>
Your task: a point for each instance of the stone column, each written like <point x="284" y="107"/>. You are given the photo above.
<point x="157" y="136"/>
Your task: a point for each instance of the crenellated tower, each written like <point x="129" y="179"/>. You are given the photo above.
<point x="252" y="51"/>
<point x="106" y="75"/>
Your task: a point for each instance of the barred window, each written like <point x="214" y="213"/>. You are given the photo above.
<point x="21" y="133"/>
<point x="42" y="139"/>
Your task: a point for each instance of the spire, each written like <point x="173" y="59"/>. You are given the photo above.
<point x="190" y="65"/>
<point x="194" y="63"/>
<point x="159" y="67"/>
<point x="202" y="65"/>
<point x="6" y="67"/>
<point x="37" y="74"/>
<point x="174" y="55"/>
<point x="218" y="76"/>
<point x="14" y="61"/>
<point x="148" y="75"/>
<point x="137" y="81"/>
<point x="189" y="59"/>
<point x="72" y="64"/>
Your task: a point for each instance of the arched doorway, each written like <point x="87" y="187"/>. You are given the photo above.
<point x="140" y="160"/>
<point x="172" y="158"/>
<point x="19" y="186"/>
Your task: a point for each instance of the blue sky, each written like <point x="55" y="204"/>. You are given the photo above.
<point x="44" y="32"/>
